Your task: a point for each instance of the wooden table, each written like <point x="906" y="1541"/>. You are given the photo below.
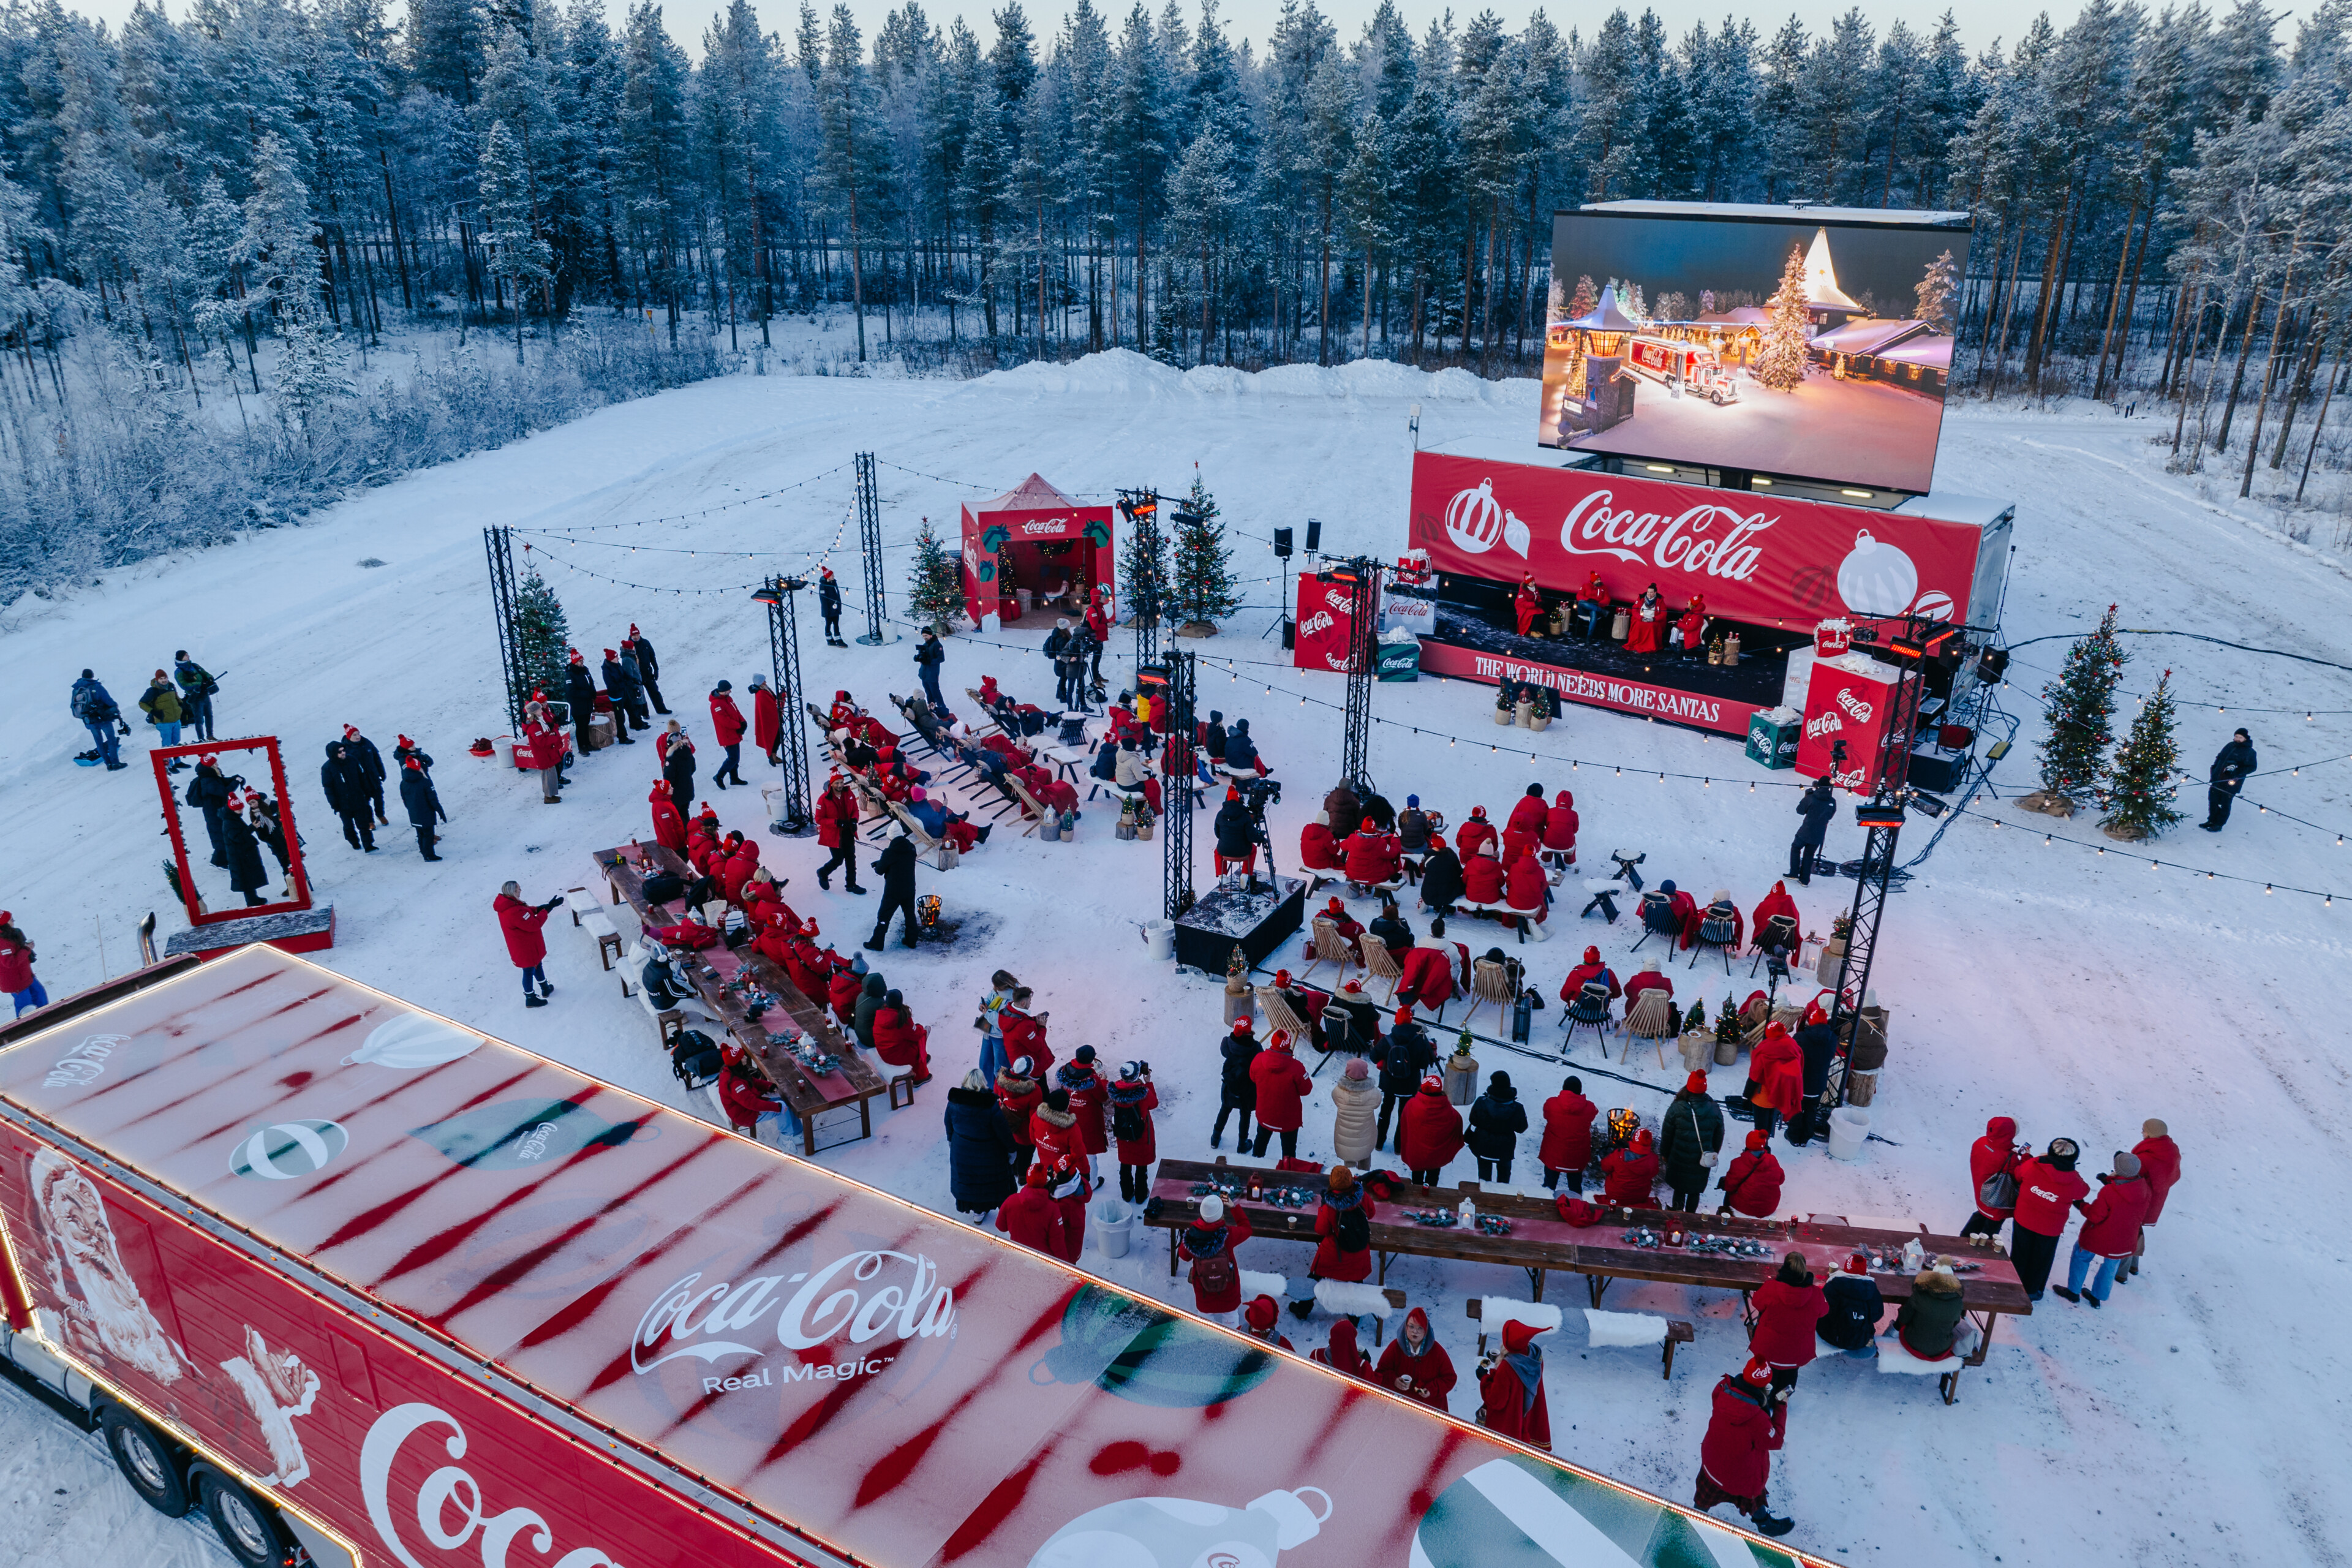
<point x="1541" y="1242"/>
<point x="804" y="1094"/>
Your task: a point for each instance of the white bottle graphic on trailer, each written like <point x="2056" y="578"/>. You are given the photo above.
<point x="1685" y="367"/>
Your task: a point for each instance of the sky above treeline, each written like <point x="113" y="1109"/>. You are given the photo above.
<point x="1981" y="21"/>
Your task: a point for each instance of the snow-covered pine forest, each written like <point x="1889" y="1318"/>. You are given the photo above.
<point x="265" y="252"/>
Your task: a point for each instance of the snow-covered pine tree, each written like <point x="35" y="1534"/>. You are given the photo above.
<point x="1781" y="358"/>
<point x="281" y="235"/>
<point x="935" y="587"/>
<point x="2137" y="793"/>
<point x="1204" y="590"/>
<point x="1936" y="291"/>
<point x="542" y="639"/>
<point x="517" y="254"/>
<point x="2082" y="705"/>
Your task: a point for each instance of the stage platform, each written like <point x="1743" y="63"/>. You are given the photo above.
<point x="1258" y="922"/>
<point x="288" y="930"/>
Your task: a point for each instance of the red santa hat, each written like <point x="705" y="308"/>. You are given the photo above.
<point x="1280" y="1042"/>
<point x="1404" y="1015"/>
<point x="1244" y="1026"/>
<point x="1368" y="826"/>
<point x="1479" y="812"/>
<point x="633" y="631"/>
<point x="1433" y="1082"/>
<point x="1039" y="1176"/>
<point x="1335" y="906"/>
<point x="1282" y="979"/>
<point x="1518" y="1337"/>
<point x="1644" y="1139"/>
<point x="1591" y="955"/>
<point x="1261" y="1313"/>
<point x="351" y="731"/>
<point x="404" y="741"/>
<point x="1353" y="988"/>
<point x="1756" y="1373"/>
<point x="1857" y="1264"/>
<point x="416" y="763"/>
<point x="1694" y="1084"/>
<point x="613" y="655"/>
<point x="209" y="758"/>
<point x="577" y="657"/>
<point x="1756" y="1139"/>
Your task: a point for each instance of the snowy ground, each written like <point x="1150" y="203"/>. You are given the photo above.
<point x="2195" y="1420"/>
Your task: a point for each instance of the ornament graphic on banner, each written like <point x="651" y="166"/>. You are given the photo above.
<point x="1177" y="1532"/>
<point x="285" y="1149"/>
<point x="413" y="1041"/>
<point x="1531" y="1516"/>
<point x="516" y="1135"/>
<point x="1475" y="520"/>
<point x="1877" y="579"/>
<point x="1150" y="1357"/>
<point x="1934" y="605"/>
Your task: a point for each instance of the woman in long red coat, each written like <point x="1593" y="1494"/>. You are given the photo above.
<point x="900" y="1040"/>
<point x="526" y="942"/>
<point x="1333" y="1261"/>
<point x="1787" y="1307"/>
<point x="1778" y="1080"/>
<point x="1647" y="623"/>
<point x="1526" y="604"/>
<point x="1429" y="1132"/>
<point x="767" y="718"/>
<point x="669" y="827"/>
<point x="1735" y="1458"/>
<point x="1512" y="1391"/>
<point x="1416" y="1364"/>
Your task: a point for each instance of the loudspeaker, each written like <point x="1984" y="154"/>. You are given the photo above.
<point x="1282" y="542"/>
<point x="1314" y="536"/>
<point x="1934" y="770"/>
<point x="1991" y="665"/>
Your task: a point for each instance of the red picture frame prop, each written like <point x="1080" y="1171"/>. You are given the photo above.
<point x="162" y="759"/>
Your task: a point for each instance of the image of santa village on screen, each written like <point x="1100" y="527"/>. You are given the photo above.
<point x="1736" y="337"/>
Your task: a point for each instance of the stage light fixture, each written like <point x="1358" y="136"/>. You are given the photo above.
<point x="1928" y="803"/>
<point x="1875" y="814"/>
<point x="766" y="595"/>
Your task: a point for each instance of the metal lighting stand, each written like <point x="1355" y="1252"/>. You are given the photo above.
<point x="1362" y="573"/>
<point x="498" y="544"/>
<point x="869" y="537"/>
<point x="1146" y="595"/>
<point x="1176" y="788"/>
<point x="798" y="817"/>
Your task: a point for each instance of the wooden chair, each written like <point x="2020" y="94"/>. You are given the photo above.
<point x="1649" y="1018"/>
<point x="1035" y="810"/>
<point x="1379" y="963"/>
<point x="1331" y="947"/>
<point x="1490" y="982"/>
<point x="1280" y="1015"/>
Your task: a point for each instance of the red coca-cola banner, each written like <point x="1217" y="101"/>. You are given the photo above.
<point x="1327" y="625"/>
<point x="1754" y="558"/>
<point x="1721" y="714"/>
<point x="1850" y="698"/>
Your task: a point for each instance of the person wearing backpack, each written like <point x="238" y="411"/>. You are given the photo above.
<point x="1405" y="1058"/>
<point x="1994" y="1161"/>
<point x="1690" y="1140"/>
<point x="1209" y="1244"/>
<point x="1344" y="1224"/>
<point x="1282" y="1086"/>
<point x="197" y="688"/>
<point x="1751" y="1184"/>
<point x="100" y="715"/>
<point x="1132" y="1102"/>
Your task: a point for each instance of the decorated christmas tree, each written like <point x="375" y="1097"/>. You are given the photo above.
<point x="542" y="640"/>
<point x="1936" y="291"/>
<point x="2137" y="794"/>
<point x="1585" y="300"/>
<point x="1781" y="358"/>
<point x="935" y="587"/>
<point x="1143" y="585"/>
<point x="2082" y="703"/>
<point x="1727" y="1020"/>
<point x="1203" y="588"/>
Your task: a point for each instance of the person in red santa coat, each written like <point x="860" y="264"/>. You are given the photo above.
<point x="1560" y="826"/>
<point x="1528" y="892"/>
<point x="1024" y="1032"/>
<point x="1567" y="1146"/>
<point x="841" y="994"/>
<point x="1073" y="1188"/>
<point x="1511" y="1389"/>
<point x="2160" y="1167"/>
<point x="1032" y="1218"/>
<point x="1098" y="623"/>
<point x="1648" y="622"/>
<point x="1777" y="902"/>
<point x="2110" y="1231"/>
<point x="2047" y="1188"/>
<point x="1211" y="1243"/>
<point x="1336" y="1256"/>
<point x="746" y="1093"/>
<point x="1593" y="607"/>
<point x="1132" y="1101"/>
<point x="1734" y="1458"/>
<point x="1018" y="1095"/>
<point x="526" y="940"/>
<point x="727" y="721"/>
<point x="836" y="829"/>
<point x="1752" y="1182"/>
<point x="900" y="1040"/>
<point x="1348" y="928"/>
<point x="1429" y="1132"/>
<point x="669" y="827"/>
<point x="1372" y="856"/>
<point x="1340" y="1352"/>
<point x="767" y="718"/>
<point x="1416" y="1364"/>
<point x="1648" y="980"/>
<point x="1089" y="1101"/>
<point x="1685" y="908"/>
<point x="1518" y="842"/>
<point x="1628" y="1175"/>
<point x="1787" y="1306"/>
<point x="1483" y="879"/>
<point x="1473" y="835"/>
<point x="1528" y="812"/>
<point x="1282" y="1085"/>
<point x="736" y="875"/>
<point x="1526" y="604"/>
<point x="1997" y="1151"/>
<point x="1425" y="976"/>
<point x="1693" y="625"/>
<point x="1054" y="1131"/>
<point x="1317" y="850"/>
<point x="1258" y="1320"/>
<point x="1776" y="1087"/>
<point x="1590" y="970"/>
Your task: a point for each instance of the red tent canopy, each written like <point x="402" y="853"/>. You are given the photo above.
<point x="1033" y="544"/>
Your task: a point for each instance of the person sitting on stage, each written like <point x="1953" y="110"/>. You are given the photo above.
<point x="1649" y="622"/>
<point x="1692" y="626"/>
<point x="1593" y="607"/>
<point x="1527" y="605"/>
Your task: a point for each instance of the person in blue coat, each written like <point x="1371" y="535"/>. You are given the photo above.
<point x="980" y="1148"/>
<point x="99" y="714"/>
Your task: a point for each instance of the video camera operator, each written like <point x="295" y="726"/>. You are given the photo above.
<point x="1245" y="808"/>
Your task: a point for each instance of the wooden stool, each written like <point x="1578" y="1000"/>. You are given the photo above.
<point x="904" y="1080"/>
<point x="577" y="901"/>
<point x="1677" y="1333"/>
<point x="608" y="937"/>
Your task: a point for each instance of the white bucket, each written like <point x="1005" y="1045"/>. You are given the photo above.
<point x="502" y="750"/>
<point x="1849" y="1125"/>
<point x="1161" y="938"/>
<point x="773" y="796"/>
<point x="1114" y="1227"/>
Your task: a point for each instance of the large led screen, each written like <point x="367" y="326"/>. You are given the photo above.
<point x="1771" y="340"/>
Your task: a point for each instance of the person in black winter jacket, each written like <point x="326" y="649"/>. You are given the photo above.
<point x="1405" y="1058"/>
<point x="648" y="672"/>
<point x="1241" y="749"/>
<point x="423" y="805"/>
<point x="980" y="1148"/>
<point x="1815" y="807"/>
<point x="1497" y="1119"/>
<point x="2232" y="765"/>
<point x="929" y="658"/>
<point x="1689" y="1131"/>
<point x="1818" y="1044"/>
<point x="1390" y="928"/>
<point x="1236" y="1089"/>
<point x="580" y="691"/>
<point x="245" y="872"/>
<point x="1855" y="1307"/>
<point x="363" y="755"/>
<point x="1441" y="881"/>
<point x="628" y="698"/>
<point x="896" y="867"/>
<point x="1237" y="834"/>
<point x="403" y="748"/>
<point x="828" y="604"/>
<point x="1212" y="738"/>
<point x="345" y="783"/>
<point x="209" y="793"/>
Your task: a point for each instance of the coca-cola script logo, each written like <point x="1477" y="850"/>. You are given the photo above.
<point x="1685" y="541"/>
<point x="1321" y="620"/>
<point x="1051" y="525"/>
<point x="450" y="1510"/>
<point x="1854" y="705"/>
<point x="850" y="1296"/>
<point x="82" y="1062"/>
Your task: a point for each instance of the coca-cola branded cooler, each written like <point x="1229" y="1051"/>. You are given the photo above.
<point x="1327" y="623"/>
<point x="1852" y="699"/>
<point x="348" y="1268"/>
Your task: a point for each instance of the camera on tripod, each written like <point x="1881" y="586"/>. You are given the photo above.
<point x="1258" y="793"/>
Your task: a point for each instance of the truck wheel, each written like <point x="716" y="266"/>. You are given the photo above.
<point x="146" y="1460"/>
<point x="248" y="1527"/>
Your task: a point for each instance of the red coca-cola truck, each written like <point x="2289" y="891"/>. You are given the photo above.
<point x="1689" y="367"/>
<point x="371" y="1288"/>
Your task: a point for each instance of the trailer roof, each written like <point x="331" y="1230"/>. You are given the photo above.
<point x="910" y="1390"/>
<point x="1886" y="217"/>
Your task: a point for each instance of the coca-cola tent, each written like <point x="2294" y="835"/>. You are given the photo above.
<point x="1034" y="545"/>
<point x="1772" y="565"/>
<point x="652" y="1316"/>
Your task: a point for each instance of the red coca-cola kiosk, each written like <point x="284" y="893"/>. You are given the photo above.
<point x="1033" y="549"/>
<point x="1849" y="699"/>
